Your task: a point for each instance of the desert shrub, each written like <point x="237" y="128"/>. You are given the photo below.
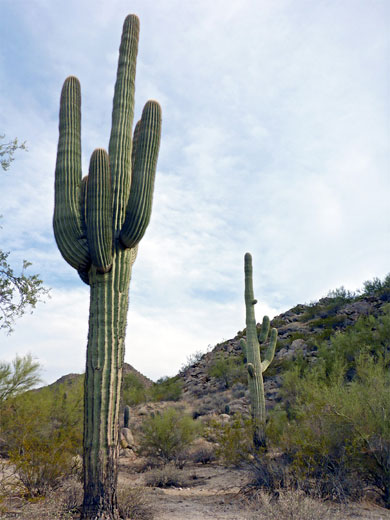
<point x="133" y="390"/>
<point x="234" y="439"/>
<point x="267" y="473"/>
<point x="43" y="434"/>
<point x="133" y="503"/>
<point x="376" y="286"/>
<point x="227" y="369"/>
<point x="337" y="413"/>
<point x="72" y="495"/>
<point x="165" y="435"/>
<point x="203" y="453"/>
<point x="167" y="476"/>
<point x="215" y="403"/>
<point x="239" y="390"/>
<point x="191" y="360"/>
<point x="291" y="505"/>
<point x="166" y="389"/>
<point x="330" y="322"/>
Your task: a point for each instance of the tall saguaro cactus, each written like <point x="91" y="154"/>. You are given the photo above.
<point x="251" y="349"/>
<point x="98" y="223"/>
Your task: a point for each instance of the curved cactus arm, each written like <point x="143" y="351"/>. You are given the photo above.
<point x="251" y="370"/>
<point x="139" y="206"/>
<point x="84" y="276"/>
<point x="264" y="330"/>
<point x="68" y="230"/>
<point x="99" y="214"/>
<point x="122" y="119"/>
<point x="270" y="352"/>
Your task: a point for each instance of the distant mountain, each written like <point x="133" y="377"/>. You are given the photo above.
<point x="71" y="379"/>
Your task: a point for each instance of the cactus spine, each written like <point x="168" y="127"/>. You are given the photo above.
<point x="98" y="223"/>
<point x="251" y="349"/>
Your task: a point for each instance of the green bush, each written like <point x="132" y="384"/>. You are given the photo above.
<point x="335" y="418"/>
<point x="166" y="389"/>
<point x="228" y="369"/>
<point x="165" y="435"/>
<point x="234" y="439"/>
<point x="43" y="434"/>
<point x="133" y="390"/>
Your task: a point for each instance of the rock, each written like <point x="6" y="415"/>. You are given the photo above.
<point x="126" y="438"/>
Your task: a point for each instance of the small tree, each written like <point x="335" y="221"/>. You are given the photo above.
<point x="18" y="377"/>
<point x="7" y="150"/>
<point x="17" y="292"/>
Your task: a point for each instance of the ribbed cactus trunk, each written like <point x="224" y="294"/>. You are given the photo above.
<point x="251" y="349"/>
<point x="98" y="223"/>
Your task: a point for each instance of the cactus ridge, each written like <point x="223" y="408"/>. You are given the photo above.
<point x="99" y="211"/>
<point x="251" y="349"/>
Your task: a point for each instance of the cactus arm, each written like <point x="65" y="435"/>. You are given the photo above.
<point x="264" y="330"/>
<point x="122" y="120"/>
<point x="251" y="370"/>
<point x="139" y="206"/>
<point x="84" y="276"/>
<point x="135" y="142"/>
<point x="270" y="352"/>
<point x="243" y="346"/>
<point x="67" y="223"/>
<point x="99" y="214"/>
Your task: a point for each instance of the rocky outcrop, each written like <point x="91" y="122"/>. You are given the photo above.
<point x="300" y="330"/>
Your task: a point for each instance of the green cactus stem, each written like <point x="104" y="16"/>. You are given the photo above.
<point x="98" y="223"/>
<point x="126" y="417"/>
<point x="251" y="350"/>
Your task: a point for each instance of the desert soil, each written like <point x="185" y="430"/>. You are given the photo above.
<point x="213" y="493"/>
<point x="210" y="492"/>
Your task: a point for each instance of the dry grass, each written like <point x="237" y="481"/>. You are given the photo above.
<point x="291" y="505"/>
<point x="133" y="504"/>
<point x="167" y="476"/>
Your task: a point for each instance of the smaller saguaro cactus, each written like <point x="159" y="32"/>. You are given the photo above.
<point x="251" y="350"/>
<point x="126" y="417"/>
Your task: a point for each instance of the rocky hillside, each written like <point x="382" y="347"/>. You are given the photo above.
<point x="211" y="385"/>
<point x="301" y="329"/>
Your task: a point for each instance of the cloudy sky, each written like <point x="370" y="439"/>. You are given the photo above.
<point x="275" y="141"/>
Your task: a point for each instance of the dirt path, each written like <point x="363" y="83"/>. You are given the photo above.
<point x="213" y="493"/>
